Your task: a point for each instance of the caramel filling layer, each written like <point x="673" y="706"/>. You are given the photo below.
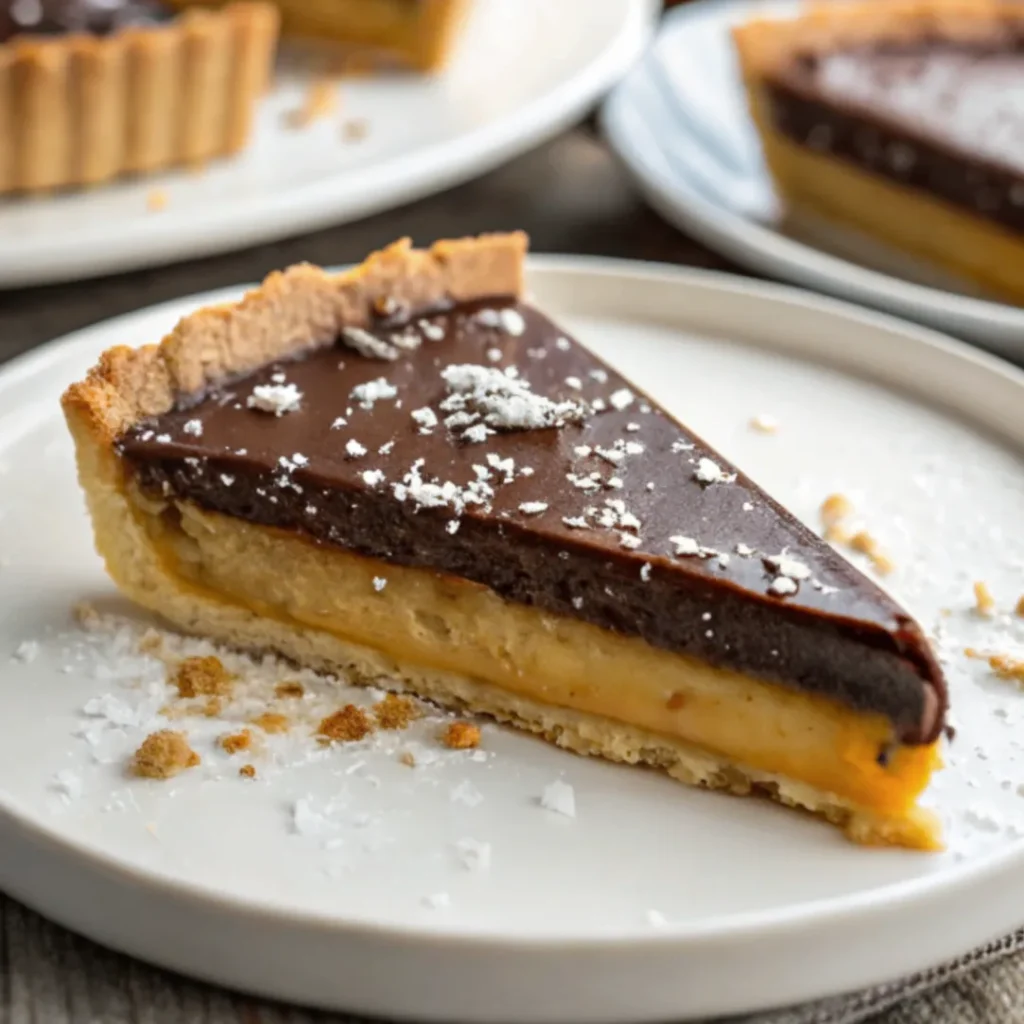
<point x="446" y="623"/>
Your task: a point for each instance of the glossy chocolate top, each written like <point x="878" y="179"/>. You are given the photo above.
<point x="943" y="116"/>
<point x="483" y="442"/>
<point x="58" y="17"/>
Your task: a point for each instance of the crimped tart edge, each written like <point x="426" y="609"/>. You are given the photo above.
<point x="292" y="311"/>
<point x="82" y="109"/>
<point x="765" y="43"/>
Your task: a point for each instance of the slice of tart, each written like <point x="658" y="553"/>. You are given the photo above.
<point x="407" y="475"/>
<point x="418" y="33"/>
<point x="900" y="119"/>
<point x="91" y="91"/>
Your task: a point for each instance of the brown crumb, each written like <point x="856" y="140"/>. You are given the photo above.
<point x="395" y="712"/>
<point x="151" y="642"/>
<point x="355" y="129"/>
<point x="203" y="677"/>
<point x="157" y="200"/>
<point x="1019" y="607"/>
<point x="461" y="736"/>
<point x="320" y="101"/>
<point x="247" y="771"/>
<point x="675" y="702"/>
<point x="973" y="652"/>
<point x="236" y="741"/>
<point x="86" y="615"/>
<point x="1007" y="668"/>
<point x="346" y="726"/>
<point x="984" y="602"/>
<point x="272" y="722"/>
<point x="290" y="690"/>
<point x="407" y="757"/>
<point x="867" y="545"/>
<point x="213" y="707"/>
<point x="835" y="508"/>
<point x="883" y="563"/>
<point x="163" y="755"/>
<point x="764" y="424"/>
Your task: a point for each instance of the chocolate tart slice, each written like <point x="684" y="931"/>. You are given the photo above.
<point x="406" y="475"/>
<point x="418" y="33"/>
<point x="91" y="91"/>
<point x="900" y="119"/>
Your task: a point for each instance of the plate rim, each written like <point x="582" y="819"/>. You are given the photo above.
<point x="762" y="248"/>
<point x="754" y="924"/>
<point x="329" y="202"/>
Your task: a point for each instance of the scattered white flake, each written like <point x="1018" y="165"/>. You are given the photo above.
<point x="308" y="821"/>
<point x="533" y="508"/>
<point x="507" y="320"/>
<point x="373" y="477"/>
<point x="339" y="423"/>
<point x="600" y="376"/>
<point x="649" y="485"/>
<point x="621" y="399"/>
<point x="581" y="451"/>
<point x="681" y="446"/>
<point x="311" y="510"/>
<point x="26" y="652"/>
<point x="560" y="797"/>
<point x="645" y="572"/>
<point x="633" y="448"/>
<point x="599" y="405"/>
<point x="379" y="583"/>
<point x="576" y="522"/>
<point x="563" y="344"/>
<point x="686" y="546"/>
<point x="425" y="418"/>
<point x="785" y="565"/>
<point x="431" y="331"/>
<point x="227" y="479"/>
<point x="163" y="438"/>
<point x="68" y="783"/>
<point x="367" y="344"/>
<point x="466" y="793"/>
<point x="584" y="483"/>
<point x="710" y="472"/>
<point x="537" y="353"/>
<point x="577" y="603"/>
<point x="747" y="507"/>
<point x="782" y="585"/>
<point x="628" y="541"/>
<point x="194" y="427"/>
<point x="494" y="355"/>
<point x="656" y="919"/>
<point x="277" y="378"/>
<point x="474" y="855"/>
<point x="573" y="382"/>
<point x="632" y="427"/>
<point x="373" y="391"/>
<point x="452" y="526"/>
<point x="354" y="449"/>
<point x="477" y="433"/>
<point x="613" y="455"/>
<point x="437" y="901"/>
<point x="744" y="550"/>
<point x="298" y="459"/>
<point x="614" y="482"/>
<point x="275" y="398"/>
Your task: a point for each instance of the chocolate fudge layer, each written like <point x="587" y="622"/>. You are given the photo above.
<point x="938" y="116"/>
<point x="481" y="442"/>
<point x="58" y="17"/>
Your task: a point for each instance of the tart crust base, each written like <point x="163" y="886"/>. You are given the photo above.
<point x="829" y="187"/>
<point x="80" y="110"/>
<point x="304" y="308"/>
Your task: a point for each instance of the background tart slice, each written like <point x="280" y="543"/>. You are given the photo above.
<point x="407" y="475"/>
<point x="900" y="120"/>
<point x="127" y="88"/>
<point x="419" y="33"/>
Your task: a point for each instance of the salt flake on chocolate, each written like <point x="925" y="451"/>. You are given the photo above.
<point x="710" y="472"/>
<point x="278" y="399"/>
<point x="373" y="391"/>
<point x="368" y="345"/>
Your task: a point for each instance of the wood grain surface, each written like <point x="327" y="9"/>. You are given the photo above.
<point x="572" y="198"/>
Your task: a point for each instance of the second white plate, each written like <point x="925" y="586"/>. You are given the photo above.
<point x="679" y="122"/>
<point x="524" y="69"/>
<point x="345" y="879"/>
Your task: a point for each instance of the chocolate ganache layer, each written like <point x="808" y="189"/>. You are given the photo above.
<point x="939" y="116"/>
<point x="480" y="441"/>
<point x="58" y="17"/>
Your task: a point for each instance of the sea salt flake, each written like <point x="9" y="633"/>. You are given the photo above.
<point x="681" y="446"/>
<point x="385" y="449"/>
<point x="431" y="331"/>
<point x="474" y="854"/>
<point x="494" y="355"/>
<point x="621" y="399"/>
<point x="560" y="797"/>
<point x="227" y="479"/>
<point x="373" y="477"/>
<point x="354" y="449"/>
<point x="379" y="583"/>
<point x="744" y="550"/>
<point x="686" y="546"/>
<point x="573" y="382"/>
<point x="785" y="565"/>
<point x="563" y="344"/>
<point x="466" y="793"/>
<point x="533" y="508"/>
<point x="581" y="451"/>
<point x="601" y="376"/>
<point x="628" y="541"/>
<point x="425" y="418"/>
<point x="26" y="652"/>
<point x="278" y="399"/>
<point x="782" y="585"/>
<point x="576" y="522"/>
<point x="194" y="428"/>
<point x="709" y="472"/>
<point x="339" y="423"/>
<point x="452" y="527"/>
<point x="645" y="572"/>
<point x="68" y="783"/>
<point x="373" y="391"/>
<point x="368" y="345"/>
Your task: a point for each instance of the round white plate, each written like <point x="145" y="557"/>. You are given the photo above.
<point x="680" y="124"/>
<point x="523" y="70"/>
<point x="322" y="881"/>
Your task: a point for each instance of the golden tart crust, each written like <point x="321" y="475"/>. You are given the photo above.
<point x="78" y="110"/>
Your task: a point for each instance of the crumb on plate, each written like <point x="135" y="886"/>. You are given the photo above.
<point x="247" y="771"/>
<point x="233" y="742"/>
<point x="984" y="602"/>
<point x="272" y="722"/>
<point x="461" y="736"/>
<point x="346" y="726"/>
<point x="290" y="690"/>
<point x="203" y="677"/>
<point x="396" y="712"/>
<point x="163" y="755"/>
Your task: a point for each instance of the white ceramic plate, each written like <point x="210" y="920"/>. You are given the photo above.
<point x="679" y="122"/>
<point x="316" y="883"/>
<point x="524" y="69"/>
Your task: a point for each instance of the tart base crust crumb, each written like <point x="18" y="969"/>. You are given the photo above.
<point x="163" y="755"/>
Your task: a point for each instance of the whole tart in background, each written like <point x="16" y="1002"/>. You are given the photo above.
<point x="901" y="119"/>
<point x="418" y="33"/>
<point x="91" y="90"/>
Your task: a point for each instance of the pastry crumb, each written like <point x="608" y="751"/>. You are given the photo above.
<point x="157" y="200"/>
<point x="984" y="602"/>
<point x="1019" y="607"/>
<point x="272" y="722"/>
<point x="234" y="742"/>
<point x="863" y="542"/>
<point x="151" y="642"/>
<point x="203" y="677"/>
<point x="213" y="707"/>
<point x="1006" y="667"/>
<point x="290" y="690"/>
<point x="835" y="508"/>
<point x="247" y="771"/>
<point x="461" y="736"/>
<point x="408" y="758"/>
<point x="86" y="615"/>
<point x="764" y="424"/>
<point x="395" y="712"/>
<point x="320" y="101"/>
<point x="163" y="755"/>
<point x="346" y="726"/>
<point x="355" y="129"/>
<point x="675" y="701"/>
